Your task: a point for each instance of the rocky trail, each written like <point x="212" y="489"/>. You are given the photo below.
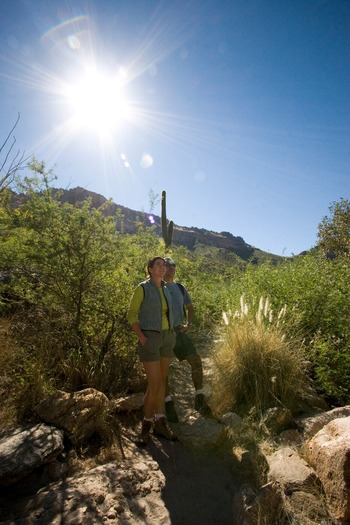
<point x="185" y="482"/>
<point x="198" y="486"/>
<point x="194" y="480"/>
<point x="200" y="481"/>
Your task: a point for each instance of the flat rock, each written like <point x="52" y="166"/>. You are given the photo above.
<point x="24" y="449"/>
<point x="128" y="492"/>
<point x="198" y="431"/>
<point x="290" y="470"/>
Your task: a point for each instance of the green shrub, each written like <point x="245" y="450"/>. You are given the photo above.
<point x="317" y="294"/>
<point x="331" y="366"/>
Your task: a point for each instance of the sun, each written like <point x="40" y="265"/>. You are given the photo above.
<point x="97" y="102"/>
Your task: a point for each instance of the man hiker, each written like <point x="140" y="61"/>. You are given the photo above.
<point x="184" y="349"/>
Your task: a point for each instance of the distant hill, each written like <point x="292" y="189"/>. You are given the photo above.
<point x="192" y="238"/>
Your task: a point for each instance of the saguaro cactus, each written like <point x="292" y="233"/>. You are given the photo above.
<point x="167" y="229"/>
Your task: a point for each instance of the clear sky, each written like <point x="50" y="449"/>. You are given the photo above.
<point x="239" y="109"/>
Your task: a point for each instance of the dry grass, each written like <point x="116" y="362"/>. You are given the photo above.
<point x="255" y="366"/>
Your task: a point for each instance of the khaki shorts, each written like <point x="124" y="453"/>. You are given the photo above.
<point x="158" y="344"/>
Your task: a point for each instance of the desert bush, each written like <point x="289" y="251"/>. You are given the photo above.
<point x="317" y="294"/>
<point x="255" y="366"/>
<point x="331" y="368"/>
<point x="69" y="275"/>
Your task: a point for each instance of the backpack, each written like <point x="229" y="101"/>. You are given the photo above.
<point x="182" y="288"/>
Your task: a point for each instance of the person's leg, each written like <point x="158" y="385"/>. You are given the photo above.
<point x="164" y="371"/>
<point x="161" y="427"/>
<point x="169" y="403"/>
<point x="184" y="350"/>
<point x="195" y="363"/>
<point x="170" y="410"/>
<point x="153" y="375"/>
<point x="154" y="388"/>
<point x="200" y="403"/>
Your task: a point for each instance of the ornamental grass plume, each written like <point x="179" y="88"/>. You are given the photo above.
<point x="255" y="366"/>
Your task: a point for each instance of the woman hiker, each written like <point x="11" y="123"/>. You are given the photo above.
<point x="151" y="318"/>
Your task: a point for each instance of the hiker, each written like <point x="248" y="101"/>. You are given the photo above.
<point x="151" y="318"/>
<point x="183" y="312"/>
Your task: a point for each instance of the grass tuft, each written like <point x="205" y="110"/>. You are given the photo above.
<point x="255" y="366"/>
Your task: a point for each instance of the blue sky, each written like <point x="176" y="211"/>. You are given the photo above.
<point x="238" y="109"/>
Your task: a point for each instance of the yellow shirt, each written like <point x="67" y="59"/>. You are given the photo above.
<point x="135" y="304"/>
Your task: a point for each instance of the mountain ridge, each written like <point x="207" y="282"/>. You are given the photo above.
<point x="190" y="237"/>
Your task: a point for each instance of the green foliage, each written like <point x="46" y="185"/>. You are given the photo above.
<point x="334" y="231"/>
<point x="255" y="366"/>
<point x="211" y="284"/>
<point x="67" y="276"/>
<point x="331" y="360"/>
<point x="317" y="295"/>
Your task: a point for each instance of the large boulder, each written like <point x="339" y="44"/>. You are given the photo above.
<point x="328" y="452"/>
<point x="24" y="449"/>
<point x="291" y="471"/>
<point x="114" y="493"/>
<point x="309" y="426"/>
<point x="79" y="414"/>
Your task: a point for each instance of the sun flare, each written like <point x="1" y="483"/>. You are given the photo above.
<point x="97" y="102"/>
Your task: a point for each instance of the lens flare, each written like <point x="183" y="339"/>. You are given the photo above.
<point x="146" y="161"/>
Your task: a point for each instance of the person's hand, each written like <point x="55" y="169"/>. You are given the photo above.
<point x="185" y="327"/>
<point x="143" y="340"/>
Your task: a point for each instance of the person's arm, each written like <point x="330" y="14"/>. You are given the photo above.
<point x="133" y="313"/>
<point x="190" y="313"/>
<point x="140" y="335"/>
<point x="190" y="316"/>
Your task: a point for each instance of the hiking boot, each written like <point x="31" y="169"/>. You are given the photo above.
<point x="170" y="412"/>
<point x="161" y="428"/>
<point x="144" y="436"/>
<point x="202" y="406"/>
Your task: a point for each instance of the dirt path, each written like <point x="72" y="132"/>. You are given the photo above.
<point x="200" y="481"/>
<point x="185" y="482"/>
<point x="199" y="487"/>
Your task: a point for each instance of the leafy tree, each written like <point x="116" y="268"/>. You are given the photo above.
<point x="74" y="272"/>
<point x="334" y="231"/>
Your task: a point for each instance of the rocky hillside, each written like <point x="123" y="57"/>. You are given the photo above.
<point x="192" y="238"/>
